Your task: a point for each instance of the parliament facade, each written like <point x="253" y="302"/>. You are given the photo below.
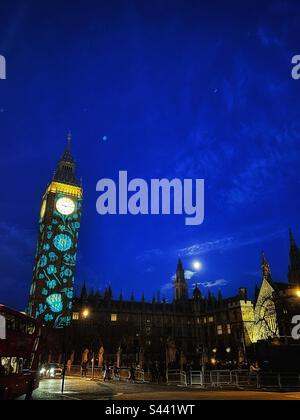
<point x="193" y="329"/>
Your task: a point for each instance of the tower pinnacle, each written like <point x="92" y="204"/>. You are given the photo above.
<point x="65" y="171"/>
<point x="180" y="283"/>
<point x="294" y="267"/>
<point x="265" y="268"/>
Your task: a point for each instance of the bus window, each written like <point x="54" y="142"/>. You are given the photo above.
<point x="10" y="323"/>
<point x="30" y="329"/>
<point x="13" y="324"/>
<point x="11" y="366"/>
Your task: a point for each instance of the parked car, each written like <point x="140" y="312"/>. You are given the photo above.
<point x="51" y="371"/>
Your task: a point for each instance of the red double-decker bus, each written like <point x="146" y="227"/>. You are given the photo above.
<point x="19" y="354"/>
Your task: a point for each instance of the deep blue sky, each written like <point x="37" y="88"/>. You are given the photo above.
<point x="181" y="88"/>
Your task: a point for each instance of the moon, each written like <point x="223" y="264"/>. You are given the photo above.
<point x="197" y="265"/>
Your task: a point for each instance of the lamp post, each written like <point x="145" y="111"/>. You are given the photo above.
<point x="64" y="358"/>
<point x="85" y="313"/>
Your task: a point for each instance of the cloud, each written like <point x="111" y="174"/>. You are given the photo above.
<point x="205" y="247"/>
<point x="189" y="274"/>
<point x="268" y="38"/>
<point x="215" y="283"/>
<point x="230" y="242"/>
<point x="166" y="288"/>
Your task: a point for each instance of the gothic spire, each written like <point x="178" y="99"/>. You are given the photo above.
<point x="67" y="156"/>
<point x="83" y="296"/>
<point x="179" y="265"/>
<point x="197" y="295"/>
<point x="294" y="267"/>
<point x="180" y="283"/>
<point x="265" y="268"/>
<point x="65" y="171"/>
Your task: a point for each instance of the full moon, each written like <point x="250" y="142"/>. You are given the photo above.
<point x="197" y="265"/>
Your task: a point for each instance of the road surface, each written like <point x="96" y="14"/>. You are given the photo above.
<point x="85" y="389"/>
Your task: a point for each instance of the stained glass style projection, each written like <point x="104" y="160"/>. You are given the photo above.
<point x="53" y="279"/>
<point x="51" y="293"/>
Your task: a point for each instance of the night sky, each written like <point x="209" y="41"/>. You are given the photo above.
<point x="180" y="88"/>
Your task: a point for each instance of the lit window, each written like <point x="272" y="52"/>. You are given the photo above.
<point x="220" y="330"/>
<point x="75" y="316"/>
<point x="114" y="318"/>
<point x="228" y="329"/>
<point x="211" y="319"/>
<point x="204" y="320"/>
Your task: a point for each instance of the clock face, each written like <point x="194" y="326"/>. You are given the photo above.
<point x="65" y="206"/>
<point x="43" y="209"/>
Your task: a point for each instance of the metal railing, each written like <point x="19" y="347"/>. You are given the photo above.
<point x="176" y="377"/>
<point x="278" y="380"/>
<point x="207" y="379"/>
<point x="97" y="373"/>
<point x="243" y="379"/>
<point x="219" y="378"/>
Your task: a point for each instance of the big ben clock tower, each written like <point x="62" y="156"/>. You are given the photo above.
<point x="51" y="293"/>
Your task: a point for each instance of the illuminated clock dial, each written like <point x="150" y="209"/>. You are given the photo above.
<point x="65" y="206"/>
<point x="43" y="209"/>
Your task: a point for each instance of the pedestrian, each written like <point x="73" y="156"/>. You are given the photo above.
<point x="116" y="373"/>
<point x="84" y="369"/>
<point x="106" y="375"/>
<point x="157" y="372"/>
<point x="69" y="366"/>
<point x="188" y="373"/>
<point x="254" y="368"/>
<point x="132" y="374"/>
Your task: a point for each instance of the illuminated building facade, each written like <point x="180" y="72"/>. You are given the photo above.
<point x="277" y="302"/>
<point x="52" y="289"/>
<point x="195" y="327"/>
<point x="213" y="329"/>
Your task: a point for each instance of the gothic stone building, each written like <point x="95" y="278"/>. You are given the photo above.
<point x="196" y="328"/>
<point x="200" y="329"/>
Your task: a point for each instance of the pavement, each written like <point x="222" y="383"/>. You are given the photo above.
<point x="85" y="389"/>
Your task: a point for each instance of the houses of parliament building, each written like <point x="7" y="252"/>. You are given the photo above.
<point x="199" y="329"/>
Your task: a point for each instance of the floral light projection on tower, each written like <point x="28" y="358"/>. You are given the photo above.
<point x="52" y="290"/>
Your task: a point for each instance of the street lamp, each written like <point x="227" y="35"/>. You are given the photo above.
<point x="86" y="313"/>
<point x="298" y="293"/>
